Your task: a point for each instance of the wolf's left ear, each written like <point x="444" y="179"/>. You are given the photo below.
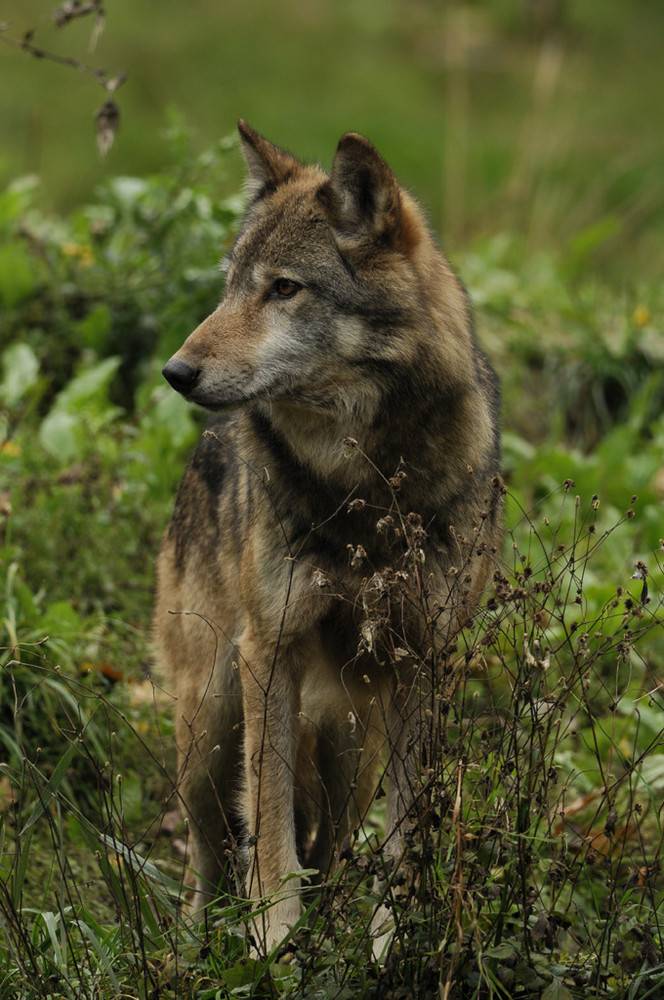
<point x="362" y="196"/>
<point x="268" y="165"/>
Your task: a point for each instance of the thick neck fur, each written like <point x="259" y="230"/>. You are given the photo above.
<point x="447" y="427"/>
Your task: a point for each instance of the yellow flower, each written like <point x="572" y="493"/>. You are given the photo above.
<point x="641" y="316"/>
<point x="81" y="252"/>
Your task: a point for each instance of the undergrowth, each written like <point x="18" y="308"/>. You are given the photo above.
<point x="533" y="866"/>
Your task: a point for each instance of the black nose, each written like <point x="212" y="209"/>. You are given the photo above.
<point x="180" y="375"/>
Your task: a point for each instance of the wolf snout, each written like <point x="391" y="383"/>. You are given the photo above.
<point x="180" y="375"/>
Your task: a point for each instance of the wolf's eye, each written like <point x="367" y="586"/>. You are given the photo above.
<point x="284" y="288"/>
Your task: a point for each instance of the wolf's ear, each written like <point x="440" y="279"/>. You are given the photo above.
<point x="268" y="165"/>
<point x="362" y="196"/>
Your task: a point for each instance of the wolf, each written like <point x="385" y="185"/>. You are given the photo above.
<point x="334" y="530"/>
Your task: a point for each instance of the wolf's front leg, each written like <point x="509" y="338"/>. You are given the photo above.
<point x="270" y="693"/>
<point x="404" y="735"/>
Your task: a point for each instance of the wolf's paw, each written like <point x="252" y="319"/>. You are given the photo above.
<point x="382" y="929"/>
<point x="272" y="927"/>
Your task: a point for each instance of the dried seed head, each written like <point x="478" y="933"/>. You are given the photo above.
<point x="357" y="555"/>
<point x="107" y="122"/>
<point x="396" y="481"/>
<point x="357" y="504"/>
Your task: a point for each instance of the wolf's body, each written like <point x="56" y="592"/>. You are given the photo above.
<point x="336" y="525"/>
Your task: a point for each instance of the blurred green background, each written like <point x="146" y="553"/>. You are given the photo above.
<point x="535" y="116"/>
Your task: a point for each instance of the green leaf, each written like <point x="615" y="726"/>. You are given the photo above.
<point x="21" y="373"/>
<point x="242" y="974"/>
<point x="60" y="434"/>
<point x="64" y="432"/>
<point x="19" y="869"/>
<point x="61" y="620"/>
<point x="17" y="274"/>
<point x="556" y="991"/>
<point x="105" y="955"/>
<point x="93" y="329"/>
<point x="128" y="190"/>
<point x="501" y="951"/>
<point x="133" y="803"/>
<point x="141" y="865"/>
<point x="171" y="416"/>
<point x="50" y="789"/>
<point x="88" y="385"/>
<point x="16" y="200"/>
<point x="52" y="924"/>
<point x="528" y="976"/>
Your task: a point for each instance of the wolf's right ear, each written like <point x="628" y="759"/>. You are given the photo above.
<point x="268" y="165"/>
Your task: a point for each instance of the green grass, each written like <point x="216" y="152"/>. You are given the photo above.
<point x="533" y="869"/>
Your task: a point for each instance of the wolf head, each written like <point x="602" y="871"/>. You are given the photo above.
<point x="334" y="290"/>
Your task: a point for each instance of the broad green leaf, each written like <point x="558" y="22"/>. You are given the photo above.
<point x="60" y="434"/>
<point x="242" y="974"/>
<point x="90" y="383"/>
<point x="21" y="369"/>
<point x="556" y="991"/>
<point x="60" y="619"/>
<point x="63" y="432"/>
<point x="16" y="199"/>
<point x="171" y="414"/>
<point x="128" y="189"/>
<point x="502" y="952"/>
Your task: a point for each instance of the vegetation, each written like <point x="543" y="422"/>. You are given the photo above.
<point x="534" y="867"/>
